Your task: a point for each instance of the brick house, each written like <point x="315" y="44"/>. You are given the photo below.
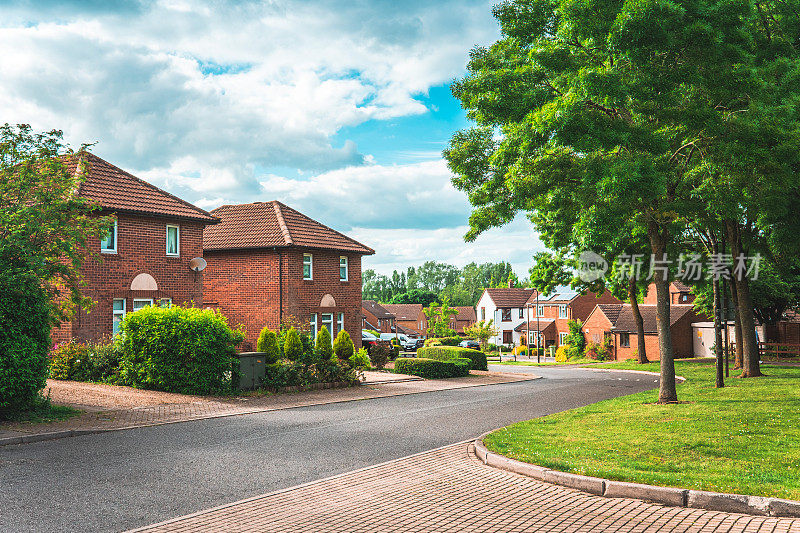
<point x="144" y="260"/>
<point x="376" y="317"/>
<point x="466" y="317"/>
<point x="268" y="263"/>
<point x="616" y="321"/>
<point x="561" y="307"/>
<point x="679" y="293"/>
<point x="409" y="318"/>
<point x="506" y="306"/>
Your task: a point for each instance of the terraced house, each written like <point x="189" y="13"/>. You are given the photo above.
<point x="144" y="259"/>
<point x="269" y="264"/>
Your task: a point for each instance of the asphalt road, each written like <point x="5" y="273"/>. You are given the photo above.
<point x="127" y="479"/>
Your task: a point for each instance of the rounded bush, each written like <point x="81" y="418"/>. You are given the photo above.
<point x="447" y="353"/>
<point x="343" y="347"/>
<point x="430" y="368"/>
<point x="24" y="341"/>
<point x="268" y="345"/>
<point x="292" y="346"/>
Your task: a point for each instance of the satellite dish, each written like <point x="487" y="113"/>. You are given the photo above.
<point x="197" y="264"/>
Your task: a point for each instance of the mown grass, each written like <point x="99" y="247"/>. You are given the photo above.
<point x="42" y="412"/>
<point x="742" y="439"/>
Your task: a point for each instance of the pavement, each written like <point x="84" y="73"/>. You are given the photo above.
<point x="448" y="489"/>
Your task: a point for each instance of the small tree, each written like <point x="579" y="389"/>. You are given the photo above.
<point x="293" y="346"/>
<point x="268" y="345"/>
<point x="575" y="339"/>
<point x="343" y="347"/>
<point x="439" y="319"/>
<point x="323" y="351"/>
<point x="482" y="331"/>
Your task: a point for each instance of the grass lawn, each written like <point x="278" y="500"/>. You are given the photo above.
<point x="42" y="412"/>
<point x="742" y="439"/>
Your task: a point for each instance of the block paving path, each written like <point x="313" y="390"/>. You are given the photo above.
<point x="449" y="489"/>
<point x="138" y="408"/>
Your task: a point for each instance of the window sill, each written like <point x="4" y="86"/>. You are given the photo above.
<point x="108" y="252"/>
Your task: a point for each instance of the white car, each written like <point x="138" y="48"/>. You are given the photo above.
<point x="405" y="342"/>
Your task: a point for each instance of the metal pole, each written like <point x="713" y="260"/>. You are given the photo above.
<point x="724" y="306"/>
<point x="528" y="330"/>
<point x="538" y="331"/>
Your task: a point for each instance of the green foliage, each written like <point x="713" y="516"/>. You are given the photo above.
<point x="268" y="345"/>
<point x="432" y="341"/>
<point x="447" y="353"/>
<point x="179" y="349"/>
<point x="361" y="360"/>
<point x="380" y="354"/>
<point x="430" y="368"/>
<point x="293" y="349"/>
<point x="439" y="319"/>
<point x="343" y="346"/>
<point x="70" y="360"/>
<point x="24" y="341"/>
<point x="94" y="361"/>
<point x="575" y="339"/>
<point x="598" y="351"/>
<point x="481" y="331"/>
<point x="323" y="351"/>
<point x="297" y="374"/>
<point x="45" y="228"/>
<point x="414" y="296"/>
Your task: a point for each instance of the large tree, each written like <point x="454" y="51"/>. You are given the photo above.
<point x="586" y="104"/>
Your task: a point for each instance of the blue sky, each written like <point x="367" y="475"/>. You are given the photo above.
<point x="339" y="108"/>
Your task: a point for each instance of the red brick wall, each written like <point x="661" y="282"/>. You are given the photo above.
<point x="579" y="309"/>
<point x="383" y="325"/>
<point x="650" y="345"/>
<point x="244" y="284"/>
<point x="682" y="341"/>
<point x="141" y="248"/>
<point x="595" y="327"/>
<point x="676" y="297"/>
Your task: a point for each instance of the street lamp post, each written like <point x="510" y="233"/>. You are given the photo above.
<point x="538" y="330"/>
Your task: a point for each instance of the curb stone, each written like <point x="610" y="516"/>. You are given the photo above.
<point x="669" y="496"/>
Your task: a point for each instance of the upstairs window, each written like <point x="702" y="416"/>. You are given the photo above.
<point x="540" y="311"/>
<point x="506" y="314"/>
<point x="562" y="311"/>
<point x="108" y="243"/>
<point x="308" y="266"/>
<point x="343" y="268"/>
<point x="173" y="241"/>
<point x="522" y="312"/>
<point x="483" y="313"/>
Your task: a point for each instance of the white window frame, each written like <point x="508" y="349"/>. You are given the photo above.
<point x="521" y="312"/>
<point x="313" y="324"/>
<point x="344" y="263"/>
<point x="110" y="250"/>
<point x="339" y="324"/>
<point x="330" y="324"/>
<point x="540" y="311"/>
<point x="148" y="300"/>
<point x="167" y="300"/>
<point x="177" y="238"/>
<point x="310" y="263"/>
<point x="115" y="312"/>
<point x="562" y="338"/>
<point x="562" y="311"/>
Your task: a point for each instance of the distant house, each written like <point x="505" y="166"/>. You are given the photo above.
<point x="616" y="321"/>
<point x="506" y="306"/>
<point x="561" y="307"/>
<point x="409" y="318"/>
<point x="144" y="258"/>
<point x="268" y="263"/>
<point x="466" y="317"/>
<point x="376" y="317"/>
<point x="679" y="293"/>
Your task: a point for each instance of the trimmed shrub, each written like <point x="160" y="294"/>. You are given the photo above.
<point x="179" y="349"/>
<point x="447" y="353"/>
<point x="293" y="348"/>
<point x="444" y="341"/>
<point x="430" y="368"/>
<point x="70" y="360"/>
<point x="24" y="341"/>
<point x="296" y="374"/>
<point x="323" y="351"/>
<point x="562" y="353"/>
<point x="343" y="346"/>
<point x="360" y="359"/>
<point x="432" y="341"/>
<point x="380" y="354"/>
<point x="268" y="345"/>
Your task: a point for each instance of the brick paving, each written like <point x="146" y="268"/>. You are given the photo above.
<point x="146" y="408"/>
<point x="448" y="489"/>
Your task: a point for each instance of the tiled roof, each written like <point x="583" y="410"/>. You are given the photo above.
<point x="682" y="287"/>
<point x="404" y="311"/>
<point x="376" y="309"/>
<point x="611" y="311"/>
<point x="466" y="313"/>
<point x="510" y="297"/>
<point x="268" y="224"/>
<point x="625" y="322"/>
<point x="543" y="324"/>
<point x="117" y="190"/>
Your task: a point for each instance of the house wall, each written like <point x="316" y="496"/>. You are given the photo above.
<point x="676" y="297"/>
<point x="501" y="325"/>
<point x="650" y="345"/>
<point x="580" y="308"/>
<point x="682" y="340"/>
<point x="245" y="285"/>
<point x="596" y="327"/>
<point x="141" y="248"/>
<point x="384" y="325"/>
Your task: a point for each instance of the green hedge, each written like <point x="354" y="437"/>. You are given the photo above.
<point x="447" y="353"/>
<point x="444" y="341"/>
<point x="430" y="368"/>
<point x="180" y="349"/>
<point x="24" y="341"/>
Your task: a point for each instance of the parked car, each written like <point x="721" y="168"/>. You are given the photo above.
<point x="368" y="340"/>
<point x="405" y="342"/>
<point x="470" y="343"/>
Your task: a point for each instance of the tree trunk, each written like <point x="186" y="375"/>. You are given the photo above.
<point x="750" y="356"/>
<point x="637" y="317"/>
<point x="737" y="327"/>
<point x="667" y="392"/>
<point x="720" y="378"/>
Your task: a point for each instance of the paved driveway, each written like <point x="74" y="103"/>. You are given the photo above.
<point x="114" y="481"/>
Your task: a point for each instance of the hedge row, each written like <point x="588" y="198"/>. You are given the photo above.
<point x="432" y="369"/>
<point x="448" y="353"/>
<point x="444" y="341"/>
